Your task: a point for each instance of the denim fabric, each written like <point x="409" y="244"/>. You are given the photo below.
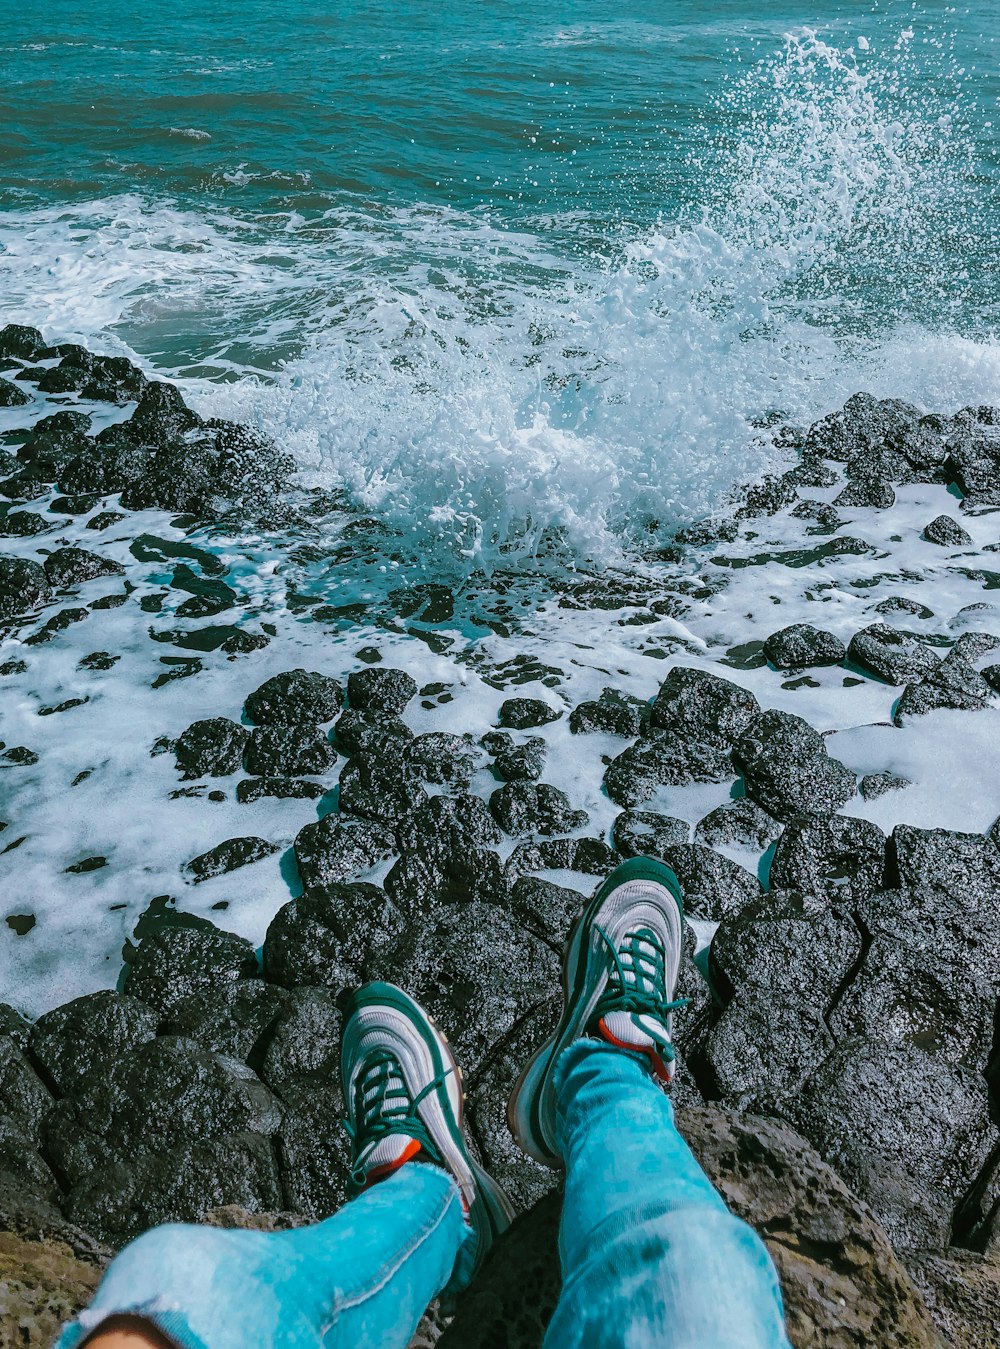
<point x="360" y="1280"/>
<point x="651" y="1256"/>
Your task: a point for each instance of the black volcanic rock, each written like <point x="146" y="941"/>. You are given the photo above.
<point x="801" y="645"/>
<point x="211" y="748"/>
<point x="295" y="697"/>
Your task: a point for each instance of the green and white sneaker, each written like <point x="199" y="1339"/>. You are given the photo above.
<point x="620" y="968"/>
<point x="403" y="1093"/>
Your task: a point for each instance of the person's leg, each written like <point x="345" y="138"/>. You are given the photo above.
<point x="424" y="1215"/>
<point x="650" y="1253"/>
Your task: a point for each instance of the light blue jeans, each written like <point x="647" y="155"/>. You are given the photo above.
<point x="651" y="1256"/>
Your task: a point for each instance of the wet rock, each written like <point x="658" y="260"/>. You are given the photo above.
<point x="523" y="808"/>
<point x="476" y="971"/>
<point x="546" y="910"/>
<point x="738" y="824"/>
<point x="521" y="714"/>
<point x="785" y="939"/>
<point x="211" y="748"/>
<point x="768" y="496"/>
<point x="801" y="645"/>
<point x="303" y="1048"/>
<point x="956" y="928"/>
<point x="868" y="491"/>
<point x="175" y="962"/>
<point x="952" y="683"/>
<point x="832" y="856"/>
<point x="59" y="622"/>
<point x="787" y="770"/>
<point x="53" y="442"/>
<point x="14" y="1025"/>
<point x="613" y="713"/>
<point x="24" y="1100"/>
<point x="73" y="566"/>
<point x="331" y="937"/>
<point x="377" y="786"/>
<point x="22" y="1170"/>
<point x="893" y="656"/>
<point x="663" y="759"/>
<point x="283" y="789"/>
<point x="17" y="339"/>
<point x="523" y="1180"/>
<point x="947" y="532"/>
<point x="811" y="472"/>
<point x="644" y="833"/>
<point x="314" y="1156"/>
<point x="228" y="856"/>
<point x="826" y="517"/>
<point x="295" y="698"/>
<point x="23" y="586"/>
<point x="297" y="750"/>
<point x="903" y="994"/>
<point x="23" y="525"/>
<point x="516" y="763"/>
<point x="899" y="604"/>
<point x="712" y="885"/>
<point x="445" y="829"/>
<point x="120" y="1200"/>
<point x="359" y="732"/>
<point x="961" y="866"/>
<point x="972" y="645"/>
<point x="380" y="691"/>
<point x="332" y="850"/>
<point x="440" y="757"/>
<point x="698" y="706"/>
<point x="592" y="856"/>
<point x="867" y="427"/>
<point x="87" y="1033"/>
<point x="230" y="1018"/>
<point x="906" y="1129"/>
<point x="874" y="785"/>
<point x="763" y="1047"/>
<point x="11" y="395"/>
<point x="113" y="379"/>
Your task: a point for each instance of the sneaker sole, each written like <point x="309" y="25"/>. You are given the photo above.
<point x="523" y="1108"/>
<point x="489" y="1209"/>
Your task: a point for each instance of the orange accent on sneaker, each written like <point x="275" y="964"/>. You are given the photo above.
<point x="378" y="1173"/>
<point x="661" y="1068"/>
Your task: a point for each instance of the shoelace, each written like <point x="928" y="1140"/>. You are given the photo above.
<point x="381" y="1081"/>
<point x="637" y="984"/>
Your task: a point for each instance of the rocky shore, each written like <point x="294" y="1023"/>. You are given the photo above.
<point x="249" y="761"/>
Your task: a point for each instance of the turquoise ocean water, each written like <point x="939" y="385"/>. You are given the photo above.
<point x="503" y="269"/>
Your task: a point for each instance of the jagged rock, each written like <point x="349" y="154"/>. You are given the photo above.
<point x="946" y="532"/>
<point x="332" y="937"/>
<point x="545" y="909"/>
<point x="907" y="1129"/>
<point x="613" y="713"/>
<point x="899" y="604"/>
<point x="447" y="857"/>
<point x="516" y="763"/>
<point x="835" y="856"/>
<point x="175" y="962"/>
<point x="521" y="714"/>
<point x="893" y="656"/>
<point x="299" y="750"/>
<point x="843" y="1286"/>
<point x="663" y="759"/>
<point x="644" y="833"/>
<point x="23" y="586"/>
<point x="811" y="472"/>
<point x="962" y="866"/>
<point x="962" y="1292"/>
<point x="314" y="1156"/>
<point x="22" y="1169"/>
<point x="358" y="732"/>
<point x="523" y="808"/>
<point x="332" y="849"/>
<point x="874" y="785"/>
<point x="381" y="691"/>
<point x="826" y="517"/>
<point x="73" y="566"/>
<point x="768" y="496"/>
<point x="53" y="442"/>
<point x="44" y="1284"/>
<point x="228" y="856"/>
<point x="440" y="757"/>
<point x="120" y="1200"/>
<point x="972" y="645"/>
<point x="787" y="770"/>
<point x="801" y="645"/>
<point x="23" y="525"/>
<point x="446" y="828"/>
<point x="256" y="789"/>
<point x="476" y="971"/>
<point x="785" y="939"/>
<point x="699" y="706"/>
<point x="304" y="1045"/>
<point x="589" y="855"/>
<point x="712" y="885"/>
<point x="961" y="927"/>
<point x="738" y="824"/>
<point x="952" y="683"/>
<point x="13" y="1024"/>
<point x="903" y="994"/>
<point x="868" y="426"/>
<point x="295" y="697"/>
<point x="764" y="1045"/>
<point x="210" y="748"/>
<point x="523" y="1180"/>
<point x="229" y="1018"/>
<point x="11" y="395"/>
<point x="24" y="1099"/>
<point x="868" y="491"/>
<point x="17" y="339"/>
<point x="377" y="786"/>
<point x="85" y="1034"/>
